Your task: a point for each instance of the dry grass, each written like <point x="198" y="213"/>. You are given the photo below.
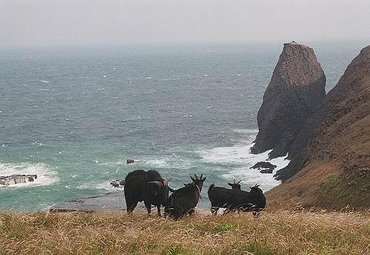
<point x="116" y="233"/>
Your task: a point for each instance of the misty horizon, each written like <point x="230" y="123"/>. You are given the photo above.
<point x="113" y="23"/>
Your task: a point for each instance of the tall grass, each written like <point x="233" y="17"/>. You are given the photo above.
<point x="117" y="233"/>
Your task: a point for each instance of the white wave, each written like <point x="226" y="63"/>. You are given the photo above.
<point x="157" y="163"/>
<point x="170" y="79"/>
<point x="45" y="176"/>
<point x="246" y="131"/>
<point x="38" y="143"/>
<point x="161" y="161"/>
<point x="44" y="81"/>
<point x="280" y="162"/>
<point x="250" y="177"/>
<point x="240" y="156"/>
<point x="253" y="176"/>
<point x="237" y="154"/>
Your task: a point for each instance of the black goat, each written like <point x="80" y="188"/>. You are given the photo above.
<point x="149" y="187"/>
<point x="235" y="199"/>
<point x="184" y="200"/>
<point x="221" y="197"/>
<point x="254" y="200"/>
<point x="235" y="185"/>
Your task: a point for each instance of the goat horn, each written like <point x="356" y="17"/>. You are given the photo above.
<point x="196" y="177"/>
<point x="238" y="182"/>
<point x="158" y="183"/>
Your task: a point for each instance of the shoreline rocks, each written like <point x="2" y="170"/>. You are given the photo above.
<point x="17" y="179"/>
<point x="264" y="167"/>
<point x="117" y="183"/>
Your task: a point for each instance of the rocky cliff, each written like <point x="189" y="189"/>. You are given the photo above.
<point x="330" y="159"/>
<point x="296" y="89"/>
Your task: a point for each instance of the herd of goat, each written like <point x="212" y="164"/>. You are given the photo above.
<point x="150" y="187"/>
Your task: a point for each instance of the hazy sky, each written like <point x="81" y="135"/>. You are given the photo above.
<point x="32" y="23"/>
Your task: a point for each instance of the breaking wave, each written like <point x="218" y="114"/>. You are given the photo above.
<point x="239" y="158"/>
<point x="45" y="176"/>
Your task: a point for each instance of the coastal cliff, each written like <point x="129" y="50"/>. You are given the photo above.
<point x="330" y="158"/>
<point x="296" y="89"/>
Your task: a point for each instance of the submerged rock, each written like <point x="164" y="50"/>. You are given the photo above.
<point x="263" y="165"/>
<point x="17" y="178"/>
<point x="296" y="89"/>
<point x="117" y="183"/>
<point x="266" y="171"/>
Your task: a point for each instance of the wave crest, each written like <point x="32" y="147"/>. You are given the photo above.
<point x="45" y="176"/>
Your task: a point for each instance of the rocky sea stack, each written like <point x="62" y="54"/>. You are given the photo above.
<point x="330" y="158"/>
<point x="296" y="89"/>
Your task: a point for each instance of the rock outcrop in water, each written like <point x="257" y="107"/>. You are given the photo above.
<point x="330" y="159"/>
<point x="296" y="89"/>
<point x="264" y="167"/>
<point x="17" y="178"/>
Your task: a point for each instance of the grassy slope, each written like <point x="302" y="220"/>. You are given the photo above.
<point x="116" y="233"/>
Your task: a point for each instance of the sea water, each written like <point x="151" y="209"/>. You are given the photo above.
<point x="74" y="116"/>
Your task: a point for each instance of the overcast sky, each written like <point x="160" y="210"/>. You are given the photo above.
<point x="35" y="23"/>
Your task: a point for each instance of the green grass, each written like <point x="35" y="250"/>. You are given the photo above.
<point x="337" y="193"/>
<point x="274" y="233"/>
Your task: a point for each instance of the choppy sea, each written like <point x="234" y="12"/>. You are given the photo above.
<point x="73" y="116"/>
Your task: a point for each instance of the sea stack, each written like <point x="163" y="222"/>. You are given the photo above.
<point x="296" y="89"/>
<point x="330" y="158"/>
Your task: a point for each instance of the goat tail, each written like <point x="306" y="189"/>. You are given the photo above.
<point x="211" y="187"/>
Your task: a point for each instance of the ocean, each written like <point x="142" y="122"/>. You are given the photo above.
<point x="74" y="116"/>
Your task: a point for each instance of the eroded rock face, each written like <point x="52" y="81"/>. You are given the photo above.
<point x="339" y="130"/>
<point x="296" y="89"/>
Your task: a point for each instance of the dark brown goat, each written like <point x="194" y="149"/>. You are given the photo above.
<point x="184" y="200"/>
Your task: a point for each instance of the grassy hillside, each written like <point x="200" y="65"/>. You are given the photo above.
<point x="278" y="232"/>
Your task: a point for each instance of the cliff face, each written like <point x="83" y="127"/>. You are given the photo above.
<point x="330" y="159"/>
<point x="296" y="89"/>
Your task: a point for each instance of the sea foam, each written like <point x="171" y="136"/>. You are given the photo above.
<point x="241" y="159"/>
<point x="45" y="176"/>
